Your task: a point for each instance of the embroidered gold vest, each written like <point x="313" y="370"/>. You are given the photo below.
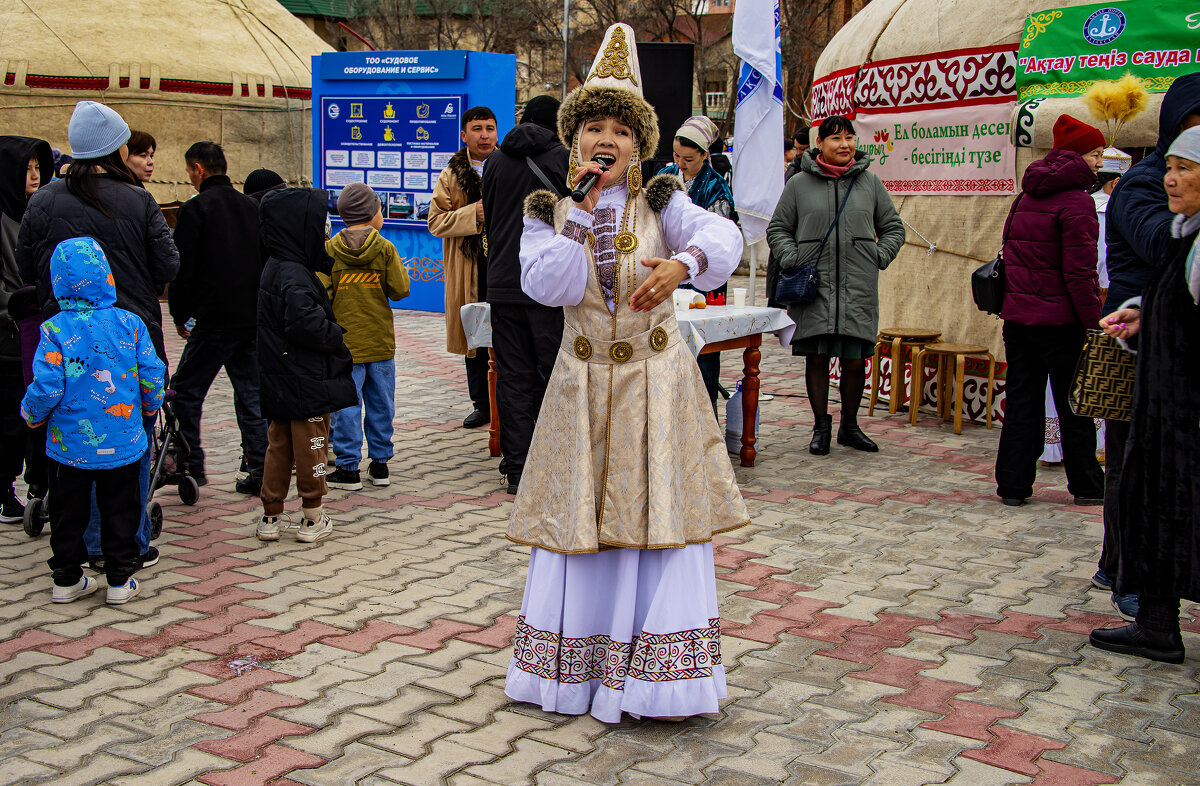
<point x="626" y="452"/>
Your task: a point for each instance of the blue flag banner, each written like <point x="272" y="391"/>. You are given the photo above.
<point x="758" y="125"/>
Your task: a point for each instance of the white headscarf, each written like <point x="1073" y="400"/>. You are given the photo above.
<point x="1187" y="145"/>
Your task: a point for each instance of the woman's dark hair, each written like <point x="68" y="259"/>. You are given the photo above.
<point x="82" y="178"/>
<point x="140" y="142"/>
<point x="835" y="124"/>
<point x="689" y="143"/>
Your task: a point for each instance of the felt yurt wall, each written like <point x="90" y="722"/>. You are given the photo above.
<point x="234" y="72"/>
<point x="956" y="60"/>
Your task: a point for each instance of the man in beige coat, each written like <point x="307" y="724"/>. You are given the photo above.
<point x="456" y="216"/>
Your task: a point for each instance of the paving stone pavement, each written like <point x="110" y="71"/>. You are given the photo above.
<point x="885" y="622"/>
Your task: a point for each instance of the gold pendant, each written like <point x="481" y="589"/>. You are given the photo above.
<point x="634" y="178"/>
<point x="626" y="242"/>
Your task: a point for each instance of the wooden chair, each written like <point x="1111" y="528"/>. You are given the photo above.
<point x="945" y="354"/>
<point x="896" y="341"/>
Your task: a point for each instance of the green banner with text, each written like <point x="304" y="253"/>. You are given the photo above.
<point x="1065" y="50"/>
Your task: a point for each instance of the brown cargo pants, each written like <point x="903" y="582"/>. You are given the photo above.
<point x="303" y="442"/>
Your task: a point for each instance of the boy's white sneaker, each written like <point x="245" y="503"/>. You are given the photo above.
<point x="268" y="528"/>
<point x="312" y="531"/>
<point x="86" y="586"/>
<point x="122" y="593"/>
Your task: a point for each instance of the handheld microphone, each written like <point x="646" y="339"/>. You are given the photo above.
<point x="588" y="183"/>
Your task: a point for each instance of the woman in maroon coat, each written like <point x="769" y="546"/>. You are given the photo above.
<point x="1051" y="296"/>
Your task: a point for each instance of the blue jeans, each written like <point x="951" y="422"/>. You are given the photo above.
<point x="376" y="384"/>
<point x="91" y="536"/>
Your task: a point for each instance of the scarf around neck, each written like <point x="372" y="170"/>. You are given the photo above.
<point x="1184" y="226"/>
<point x="833" y="170"/>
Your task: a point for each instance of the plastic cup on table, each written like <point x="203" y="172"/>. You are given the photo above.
<point x="739" y="297"/>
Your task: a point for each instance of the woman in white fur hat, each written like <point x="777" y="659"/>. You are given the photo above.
<point x="627" y="479"/>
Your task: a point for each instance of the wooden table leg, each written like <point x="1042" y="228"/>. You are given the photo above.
<point x="917" y="390"/>
<point x="494" y="426"/>
<point x="960" y="396"/>
<point x="751" y="356"/>
<point x="897" y="393"/>
<point x="874" y="379"/>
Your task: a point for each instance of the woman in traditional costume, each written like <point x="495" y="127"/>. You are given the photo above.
<point x="627" y="478"/>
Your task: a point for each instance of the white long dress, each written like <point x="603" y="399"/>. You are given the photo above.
<point x="614" y="630"/>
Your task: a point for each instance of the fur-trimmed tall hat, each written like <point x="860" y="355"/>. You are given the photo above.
<point x="612" y="89"/>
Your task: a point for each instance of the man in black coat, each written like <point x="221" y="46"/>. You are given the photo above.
<point x="220" y="263"/>
<point x="525" y="334"/>
<point x="1137" y="233"/>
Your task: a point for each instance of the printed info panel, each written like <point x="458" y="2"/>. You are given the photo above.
<point x="961" y="150"/>
<point x="398" y="146"/>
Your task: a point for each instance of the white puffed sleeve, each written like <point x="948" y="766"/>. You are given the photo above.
<point x="554" y="264"/>
<point x="710" y="246"/>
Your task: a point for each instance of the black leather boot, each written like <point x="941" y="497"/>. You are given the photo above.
<point x="1136" y="640"/>
<point x="822" y="434"/>
<point x="850" y="435"/>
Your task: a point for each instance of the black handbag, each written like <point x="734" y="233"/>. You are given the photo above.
<point x="987" y="282"/>
<point x="798" y="284"/>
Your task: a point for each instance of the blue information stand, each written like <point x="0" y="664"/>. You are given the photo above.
<point x="392" y="120"/>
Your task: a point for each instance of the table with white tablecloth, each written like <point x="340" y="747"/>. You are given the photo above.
<point x="704" y="330"/>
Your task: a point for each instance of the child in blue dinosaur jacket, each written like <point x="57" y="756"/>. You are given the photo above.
<point x="94" y="375"/>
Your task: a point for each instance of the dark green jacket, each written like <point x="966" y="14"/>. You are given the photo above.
<point x="867" y="238"/>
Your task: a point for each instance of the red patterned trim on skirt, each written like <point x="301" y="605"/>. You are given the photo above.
<point x="652" y="657"/>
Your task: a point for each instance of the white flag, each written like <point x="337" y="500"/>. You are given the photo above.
<point x="758" y="125"/>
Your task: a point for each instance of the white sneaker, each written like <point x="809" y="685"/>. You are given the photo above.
<point x="312" y="531"/>
<point x="122" y="593"/>
<point x="86" y="586"/>
<point x="268" y="528"/>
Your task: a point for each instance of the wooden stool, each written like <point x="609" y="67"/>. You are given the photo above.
<point x="899" y="340"/>
<point x="944" y="352"/>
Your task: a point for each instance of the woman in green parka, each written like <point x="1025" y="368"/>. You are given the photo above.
<point x="843" y="320"/>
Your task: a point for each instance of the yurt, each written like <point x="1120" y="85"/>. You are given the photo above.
<point x="953" y="99"/>
<point x="236" y="72"/>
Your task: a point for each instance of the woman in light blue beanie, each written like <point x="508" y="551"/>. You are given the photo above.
<point x="99" y="197"/>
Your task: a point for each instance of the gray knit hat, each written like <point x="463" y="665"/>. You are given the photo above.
<point x="357" y="204"/>
<point x="95" y="130"/>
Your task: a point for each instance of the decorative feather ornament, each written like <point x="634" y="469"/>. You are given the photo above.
<point x="1116" y="102"/>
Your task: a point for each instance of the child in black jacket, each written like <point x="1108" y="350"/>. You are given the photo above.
<point x="304" y="365"/>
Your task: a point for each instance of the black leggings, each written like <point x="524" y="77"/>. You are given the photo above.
<point x="854" y="379"/>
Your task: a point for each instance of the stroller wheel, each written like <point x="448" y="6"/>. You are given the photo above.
<point x="35" y="517"/>
<point x="189" y="490"/>
<point x="154" y="511"/>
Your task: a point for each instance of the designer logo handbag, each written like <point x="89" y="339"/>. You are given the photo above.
<point x="797" y="285"/>
<point x="987" y="281"/>
<point x="1103" y="383"/>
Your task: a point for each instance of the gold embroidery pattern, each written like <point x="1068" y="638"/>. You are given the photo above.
<point x="615" y="60"/>
<point x="583" y="348"/>
<point x="658" y="339"/>
<point x="620" y="351"/>
<point x="1038" y="24"/>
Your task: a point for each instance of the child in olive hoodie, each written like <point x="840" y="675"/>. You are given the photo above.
<point x="367" y="274"/>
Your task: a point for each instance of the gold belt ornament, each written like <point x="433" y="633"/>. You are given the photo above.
<point x="638" y="347"/>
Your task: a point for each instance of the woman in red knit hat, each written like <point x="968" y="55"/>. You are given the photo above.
<point x="1051" y="296"/>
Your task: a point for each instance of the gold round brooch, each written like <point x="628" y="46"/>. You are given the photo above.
<point x="626" y="242"/>
<point x="621" y="351"/>
<point x="658" y="339"/>
<point x="583" y="348"/>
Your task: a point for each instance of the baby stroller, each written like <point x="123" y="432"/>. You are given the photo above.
<point x="170" y="449"/>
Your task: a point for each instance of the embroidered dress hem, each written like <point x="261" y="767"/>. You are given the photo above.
<point x="624" y="630"/>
